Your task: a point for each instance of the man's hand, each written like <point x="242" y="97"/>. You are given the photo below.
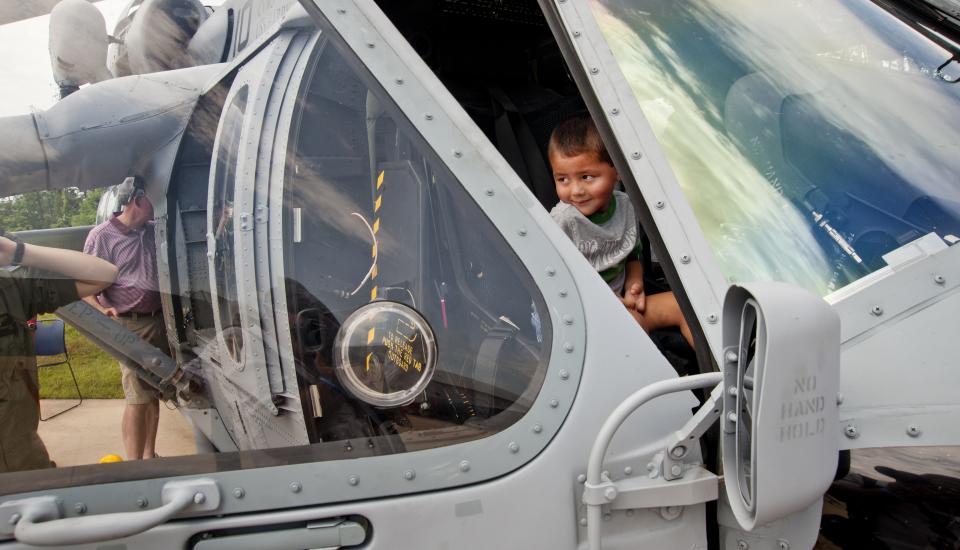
<point x="634" y="298"/>
<point x="110" y="312"/>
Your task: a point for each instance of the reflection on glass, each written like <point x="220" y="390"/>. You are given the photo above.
<point x="381" y="220"/>
<point x="223" y="225"/>
<point x="810" y="138"/>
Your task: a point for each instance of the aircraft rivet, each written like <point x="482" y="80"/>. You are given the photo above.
<point x="238" y="493"/>
<point x="605" y="475"/>
<point x="464" y="465"/>
<point x="851" y="432"/>
<point x="651" y="467"/>
<point x="399" y="81"/>
<point x="732" y="390"/>
<point x="458" y="154"/>
<point x="614" y="111"/>
<point x="676" y="470"/>
<point x="678" y="451"/>
<point x="564" y="374"/>
<point x="629" y="512"/>
<point x="583" y="522"/>
<point x="14" y="519"/>
<point x="568" y="319"/>
<point x="142" y="502"/>
<point x="428" y="116"/>
<point x="628" y="471"/>
<point x="489" y="192"/>
<point x="914" y="431"/>
<point x="409" y="475"/>
<point x="712" y="318"/>
<point x="341" y="11"/>
<point x="295" y="487"/>
<point x="568" y="347"/>
<point x="594" y="70"/>
<point x="537" y="428"/>
<point x="636" y="155"/>
<point x="685" y="259"/>
<point x="522" y="231"/>
<point x="839" y="399"/>
<point x="576" y="34"/>
<point x="551" y="271"/>
<point x="731" y="356"/>
<point x="353" y="480"/>
<point x="80" y="508"/>
<point x="199" y="498"/>
<point x="514" y="448"/>
<point x="607" y="517"/>
<point x="742" y="545"/>
<point x="610" y="494"/>
<point x="554" y="403"/>
<point x="876" y="310"/>
<point x="582" y="478"/>
<point x="660" y="205"/>
<point x="424" y="406"/>
<point x="371" y="45"/>
<point x="783" y="545"/>
<point x="563" y="293"/>
<point x="939" y="279"/>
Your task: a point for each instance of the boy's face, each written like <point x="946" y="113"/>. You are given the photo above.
<point x="584" y="181"/>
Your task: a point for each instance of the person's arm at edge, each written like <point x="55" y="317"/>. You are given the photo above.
<point x="90" y="273"/>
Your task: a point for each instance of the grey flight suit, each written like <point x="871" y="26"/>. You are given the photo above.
<point x="24" y="293"/>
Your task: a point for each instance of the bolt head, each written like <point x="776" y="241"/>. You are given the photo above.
<point x="568" y="347"/>
<point x="576" y="34"/>
<point x="594" y="70"/>
<point x="295" y="487"/>
<point x="583" y="522"/>
<point x="464" y="465"/>
<point x="428" y="116"/>
<point x="514" y="448"/>
<point x="636" y="155"/>
<point x="614" y="111"/>
<point x="568" y="319"/>
<point x="712" y="318"/>
<point x="14" y="519"/>
<point x="554" y="403"/>
<point x="142" y="502"/>
<point x="660" y="205"/>
<point x="676" y="470"/>
<point x="551" y="271"/>
<point x="742" y="545"/>
<point x="628" y="470"/>
<point x="610" y="493"/>
<point x="399" y="81"/>
<point x="522" y="231"/>
<point x="685" y="259"/>
<point x="939" y="279"/>
<point x="353" y="480"/>
<point x="238" y="493"/>
<point x="409" y="475"/>
<point x="678" y="451"/>
<point x="582" y="478"/>
<point x="783" y="545"/>
<point x="876" y="310"/>
<point x="851" y="432"/>
<point x="80" y="508"/>
<point x="537" y="428"/>
<point x="564" y="374"/>
<point x="199" y="498"/>
<point x="458" y="154"/>
<point x="914" y="431"/>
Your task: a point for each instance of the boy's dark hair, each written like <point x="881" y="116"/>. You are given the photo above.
<point x="575" y="135"/>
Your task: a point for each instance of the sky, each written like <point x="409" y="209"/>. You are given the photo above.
<point x="27" y="81"/>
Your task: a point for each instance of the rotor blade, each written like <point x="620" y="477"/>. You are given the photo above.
<point x="12" y="11"/>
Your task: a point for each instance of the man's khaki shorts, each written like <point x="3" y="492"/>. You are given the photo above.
<point x="151" y="329"/>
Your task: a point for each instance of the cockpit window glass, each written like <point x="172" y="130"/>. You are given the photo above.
<point x="412" y="320"/>
<point x="223" y="222"/>
<point x="810" y="138"/>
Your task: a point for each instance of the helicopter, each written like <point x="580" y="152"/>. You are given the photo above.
<point x="374" y="320"/>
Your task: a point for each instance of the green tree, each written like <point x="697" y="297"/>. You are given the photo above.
<point x="49" y="209"/>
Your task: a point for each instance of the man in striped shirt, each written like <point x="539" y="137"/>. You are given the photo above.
<point x="127" y="240"/>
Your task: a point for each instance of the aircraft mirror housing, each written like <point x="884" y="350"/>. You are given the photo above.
<point x="780" y="439"/>
<point x="78" y="44"/>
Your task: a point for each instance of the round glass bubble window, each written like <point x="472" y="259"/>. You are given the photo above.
<point x="385" y="354"/>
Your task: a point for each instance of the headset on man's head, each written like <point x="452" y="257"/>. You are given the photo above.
<point x="130" y="190"/>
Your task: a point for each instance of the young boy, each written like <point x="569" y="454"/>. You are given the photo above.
<point x="602" y="223"/>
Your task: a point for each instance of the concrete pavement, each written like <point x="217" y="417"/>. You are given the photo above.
<point x="92" y="430"/>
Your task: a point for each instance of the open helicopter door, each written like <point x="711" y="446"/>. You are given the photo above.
<point x="703" y="115"/>
<point x="437" y="323"/>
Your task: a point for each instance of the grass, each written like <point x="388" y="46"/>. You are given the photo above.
<point x="98" y="374"/>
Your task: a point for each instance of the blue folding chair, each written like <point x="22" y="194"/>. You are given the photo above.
<point x="50" y="341"/>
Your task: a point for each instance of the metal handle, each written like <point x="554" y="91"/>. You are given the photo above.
<point x="37" y="526"/>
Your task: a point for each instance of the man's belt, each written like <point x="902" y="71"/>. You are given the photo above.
<point x="140" y="314"/>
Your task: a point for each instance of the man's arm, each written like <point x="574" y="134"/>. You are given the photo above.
<point x="90" y="273"/>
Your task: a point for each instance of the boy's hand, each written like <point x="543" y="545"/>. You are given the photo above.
<point x="634" y="298"/>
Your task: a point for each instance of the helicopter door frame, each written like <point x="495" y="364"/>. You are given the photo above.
<point x="689" y="263"/>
